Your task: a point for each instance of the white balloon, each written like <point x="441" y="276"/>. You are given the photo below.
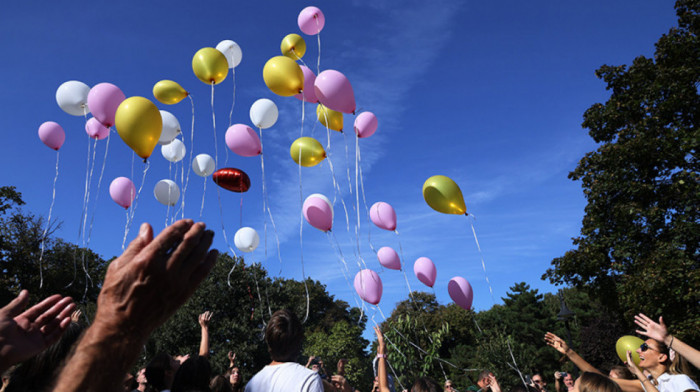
<point x="174" y="151"/>
<point x="264" y="113"/>
<point x="167" y="192"/>
<point x="203" y="165"/>
<point x="232" y="52"/>
<point x="246" y="239"/>
<point x="171" y="128"/>
<point x="324" y="198"/>
<point x="71" y="96"/>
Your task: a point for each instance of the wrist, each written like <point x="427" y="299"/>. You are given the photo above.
<point x="668" y="340"/>
<point x="381" y="355"/>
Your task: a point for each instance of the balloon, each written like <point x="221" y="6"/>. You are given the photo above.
<point x="246" y="239"/>
<point x="231" y="51"/>
<point x="95" y="129"/>
<point x="334" y="91"/>
<point x="368" y="286"/>
<point x="52" y="135"/>
<point x="461" y="292"/>
<point x="171" y="128"/>
<point x="139" y="124"/>
<point x="425" y="271"/>
<point x="72" y="97"/>
<point x="122" y="191"/>
<point x="173" y="151"/>
<point x="389" y="258"/>
<point x="203" y="165"/>
<point x="264" y="113"/>
<point x="311" y="20"/>
<point x="329" y="118"/>
<point x="630" y="343"/>
<point x="383" y="215"/>
<point x="365" y="124"/>
<point x="166" y="192"/>
<point x="169" y="92"/>
<point x="232" y="179"/>
<point x="283" y="76"/>
<point x="243" y="140"/>
<point x="210" y="65"/>
<point x="444" y="195"/>
<point x="308" y="94"/>
<point x="103" y="101"/>
<point x="307" y="151"/>
<point x="318" y="211"/>
<point x="293" y="46"/>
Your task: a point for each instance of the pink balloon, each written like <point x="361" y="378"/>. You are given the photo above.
<point x="334" y="91"/>
<point x="318" y="211"/>
<point x="243" y="140"/>
<point x="369" y="286"/>
<point x="389" y="258"/>
<point x="122" y="191"/>
<point x="383" y="215"/>
<point x="425" y="271"/>
<point x="52" y="135"/>
<point x="461" y="292"/>
<point x="95" y="129"/>
<point x="103" y="101"/>
<point x="308" y="94"/>
<point x="311" y="20"/>
<point x="365" y="124"/>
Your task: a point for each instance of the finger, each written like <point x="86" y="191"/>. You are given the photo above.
<point x="68" y="310"/>
<point x="53" y="336"/>
<point x="41" y="307"/>
<point x="139" y="243"/>
<point x="661" y="321"/>
<point x="192" y="249"/>
<point x="54" y="311"/>
<point x="16" y="306"/>
<point x="202" y="270"/>
<point x="168" y="238"/>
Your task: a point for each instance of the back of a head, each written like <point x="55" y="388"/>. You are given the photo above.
<point x="594" y="382"/>
<point x="220" y="384"/>
<point x="155" y="370"/>
<point x="622" y="372"/>
<point x="425" y="384"/>
<point x="284" y="335"/>
<point x="192" y="375"/>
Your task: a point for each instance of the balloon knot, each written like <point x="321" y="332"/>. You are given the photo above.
<point x="145" y="160"/>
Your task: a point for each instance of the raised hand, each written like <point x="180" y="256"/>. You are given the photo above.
<point x="204" y="319"/>
<point x="556" y="342"/>
<point x="656" y="331"/>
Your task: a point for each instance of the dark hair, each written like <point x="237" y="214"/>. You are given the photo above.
<point x="39" y="373"/>
<point x="523" y="388"/>
<point x="594" y="382"/>
<point x="425" y="384"/>
<point x="623" y="372"/>
<point x="155" y="370"/>
<point x="192" y="375"/>
<point x="484" y="374"/>
<point x="284" y="335"/>
<point x="220" y="384"/>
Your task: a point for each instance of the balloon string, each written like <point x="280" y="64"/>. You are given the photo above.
<point x="230" y="114"/>
<point x="483" y="264"/>
<point x="213" y="121"/>
<point x="167" y="208"/>
<point x="240" y="213"/>
<point x="48" y="224"/>
<point x="336" y="187"/>
<point x="85" y="192"/>
<point x="223" y="228"/>
<point x="301" y="221"/>
<point x="274" y="228"/>
<point x="132" y="211"/>
<point x="133" y="155"/>
<point x="318" y="39"/>
<point x="266" y="206"/>
<point x="89" y="186"/>
<point x="358" y="157"/>
<point x="333" y="241"/>
<point x="204" y="192"/>
<point x="357" y="195"/>
<point x="189" y="167"/>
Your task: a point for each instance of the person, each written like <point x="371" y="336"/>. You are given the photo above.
<point x="160" y="371"/>
<point x="539" y="382"/>
<point x="141" y="381"/>
<point x="449" y="387"/>
<point x="192" y="375"/>
<point x="220" y="384"/>
<point x="659" y="332"/>
<point x="425" y="384"/>
<point x="595" y="382"/>
<point x="26" y="333"/>
<point x="233" y="374"/>
<point x="204" y="320"/>
<point x="284" y="335"/>
<point x="382" y="376"/>
<point x="566" y="384"/>
<point x="484" y="379"/>
<point x="142" y="288"/>
<point x="619" y="371"/>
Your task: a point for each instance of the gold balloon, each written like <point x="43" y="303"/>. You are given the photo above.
<point x="293" y="46"/>
<point x="329" y="118"/>
<point x="630" y="343"/>
<point x="139" y="124"/>
<point x="169" y="92"/>
<point x="210" y="65"/>
<point x="444" y="195"/>
<point x="307" y="151"/>
<point x="283" y="76"/>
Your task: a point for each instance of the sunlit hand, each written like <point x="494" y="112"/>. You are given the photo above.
<point x="204" y="319"/>
<point x="556" y="342"/>
<point x="493" y="383"/>
<point x="656" y="331"/>
<point x="633" y="366"/>
<point x="381" y="346"/>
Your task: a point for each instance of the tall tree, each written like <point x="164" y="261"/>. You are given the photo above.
<point x="638" y="248"/>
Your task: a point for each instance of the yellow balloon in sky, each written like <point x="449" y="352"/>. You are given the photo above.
<point x="293" y="46"/>
<point x="630" y="343"/>
<point x="169" y="92"/>
<point x="329" y="118"/>
<point x="283" y="76"/>
<point x="444" y="195"/>
<point x="210" y="65"/>
<point x="139" y="124"/>
<point x="307" y="151"/>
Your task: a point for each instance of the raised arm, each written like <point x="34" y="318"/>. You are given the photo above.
<point x="381" y="362"/>
<point x="560" y="345"/>
<point x="204" y="319"/>
<point x="142" y="289"/>
<point x="658" y="331"/>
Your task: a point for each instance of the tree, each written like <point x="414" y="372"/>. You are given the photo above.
<point x="638" y="248"/>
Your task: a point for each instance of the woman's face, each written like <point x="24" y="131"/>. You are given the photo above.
<point x="569" y="380"/>
<point x="235" y="377"/>
<point x="651" y="356"/>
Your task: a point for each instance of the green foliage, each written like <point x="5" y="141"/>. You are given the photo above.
<point x="638" y="248"/>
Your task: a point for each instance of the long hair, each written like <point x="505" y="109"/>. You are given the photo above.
<point x="594" y="382"/>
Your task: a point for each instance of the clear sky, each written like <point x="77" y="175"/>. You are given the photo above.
<point x="488" y="93"/>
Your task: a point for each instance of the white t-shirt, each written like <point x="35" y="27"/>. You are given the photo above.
<point x="289" y="376"/>
<point x="675" y="383"/>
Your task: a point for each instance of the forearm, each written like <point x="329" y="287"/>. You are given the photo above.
<point x="634" y="385"/>
<point x="204" y="343"/>
<point x="557" y="385"/>
<point x="381" y="373"/>
<point x="580" y="362"/>
<point x="99" y="362"/>
<point x="686" y="351"/>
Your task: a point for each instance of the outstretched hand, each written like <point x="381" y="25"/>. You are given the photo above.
<point x="381" y="346"/>
<point x="204" y="319"/>
<point x="656" y="331"/>
<point x="556" y="342"/>
<point x="25" y="334"/>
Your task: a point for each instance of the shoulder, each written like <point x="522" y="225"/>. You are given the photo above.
<point x="679" y="382"/>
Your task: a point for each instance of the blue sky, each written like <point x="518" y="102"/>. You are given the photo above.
<point x="490" y="94"/>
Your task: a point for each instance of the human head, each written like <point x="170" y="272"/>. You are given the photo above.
<point x="539" y="381"/>
<point x="220" y="384"/>
<point x="160" y="372"/>
<point x="621" y="372"/>
<point x="594" y="382"/>
<point x="483" y="380"/>
<point x="448" y="385"/>
<point x="569" y="380"/>
<point x="234" y="377"/>
<point x="425" y="384"/>
<point x="655" y="355"/>
<point x="284" y="335"/>
<point x="193" y="375"/>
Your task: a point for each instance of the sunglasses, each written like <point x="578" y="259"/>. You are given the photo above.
<point x="645" y="347"/>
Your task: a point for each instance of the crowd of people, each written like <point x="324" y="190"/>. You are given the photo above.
<point x="46" y="348"/>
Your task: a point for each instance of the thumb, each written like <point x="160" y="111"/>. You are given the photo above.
<point x="17" y="305"/>
<point x="144" y="238"/>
